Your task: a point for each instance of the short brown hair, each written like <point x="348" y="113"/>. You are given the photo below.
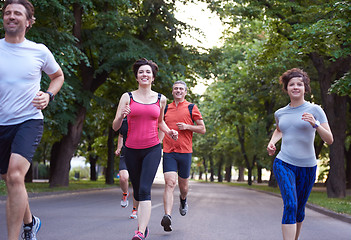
<point x="142" y="62"/>
<point x="292" y="73"/>
<point x="27" y="5"/>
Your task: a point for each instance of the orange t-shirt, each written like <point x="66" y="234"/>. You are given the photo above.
<point x="176" y="114"/>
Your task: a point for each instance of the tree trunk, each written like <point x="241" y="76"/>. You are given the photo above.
<point x="66" y="147"/>
<point x="249" y="176"/>
<point x="110" y="157"/>
<point x="93" y="173"/>
<point x="204" y="162"/>
<point x="228" y="173"/>
<point x="92" y="160"/>
<point x="348" y="154"/>
<point x="335" y="108"/>
<point x="220" y="166"/>
<point x="259" y="173"/>
<point x="348" y="168"/>
<point x="241" y="174"/>
<point x="63" y="151"/>
<point x="211" y="170"/>
<point x="200" y="174"/>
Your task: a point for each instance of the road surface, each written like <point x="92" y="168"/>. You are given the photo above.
<point x="215" y="212"/>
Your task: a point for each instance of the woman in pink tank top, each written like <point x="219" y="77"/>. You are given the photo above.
<point x="144" y="109"/>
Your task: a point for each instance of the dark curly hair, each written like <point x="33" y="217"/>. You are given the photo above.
<point x="142" y="62"/>
<point x="292" y="73"/>
<point x="27" y="5"/>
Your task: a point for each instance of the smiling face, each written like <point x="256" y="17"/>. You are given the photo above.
<point x="145" y="75"/>
<point x="179" y="92"/>
<point x="296" y="88"/>
<point x="15" y="20"/>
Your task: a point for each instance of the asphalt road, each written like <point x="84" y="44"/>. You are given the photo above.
<point x="215" y="212"/>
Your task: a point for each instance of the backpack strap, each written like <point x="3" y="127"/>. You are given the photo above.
<point x="159" y="95"/>
<point x="166" y="108"/>
<point x="190" y="107"/>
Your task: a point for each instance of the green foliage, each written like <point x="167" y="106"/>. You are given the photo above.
<point x="96" y="43"/>
<point x="342" y="86"/>
<point x="264" y="39"/>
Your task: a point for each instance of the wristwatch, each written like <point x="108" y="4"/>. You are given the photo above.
<point x="52" y="96"/>
<point x="317" y="123"/>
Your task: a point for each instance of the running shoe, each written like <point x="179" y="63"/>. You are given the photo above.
<point x="134" y="214"/>
<point x="166" y="223"/>
<point x="124" y="200"/>
<point x="30" y="233"/>
<point x="139" y="236"/>
<point x="183" y="208"/>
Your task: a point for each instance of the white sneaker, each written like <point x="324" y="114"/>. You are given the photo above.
<point x="183" y="208"/>
<point x="124" y="200"/>
<point x="31" y="233"/>
<point x="134" y="214"/>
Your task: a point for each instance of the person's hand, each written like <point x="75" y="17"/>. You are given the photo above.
<point x="182" y="126"/>
<point x="118" y="152"/>
<point x="271" y="149"/>
<point x="173" y="134"/>
<point x="125" y="111"/>
<point x="308" y="117"/>
<point x="41" y="100"/>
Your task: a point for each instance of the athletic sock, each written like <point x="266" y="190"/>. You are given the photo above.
<point x="31" y="223"/>
<point x="183" y="202"/>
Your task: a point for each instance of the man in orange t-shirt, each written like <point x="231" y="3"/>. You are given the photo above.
<point x="179" y="115"/>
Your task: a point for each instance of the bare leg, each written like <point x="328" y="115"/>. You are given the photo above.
<point x="17" y="206"/>
<point x="298" y="230"/>
<point x="170" y="184"/>
<point x="135" y="203"/>
<point x="144" y="215"/>
<point x="183" y="187"/>
<point x="289" y="231"/>
<point x="27" y="215"/>
<point x="123" y="180"/>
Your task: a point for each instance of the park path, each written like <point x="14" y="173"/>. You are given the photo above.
<point x="216" y="211"/>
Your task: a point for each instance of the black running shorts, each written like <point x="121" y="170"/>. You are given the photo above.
<point x="21" y="139"/>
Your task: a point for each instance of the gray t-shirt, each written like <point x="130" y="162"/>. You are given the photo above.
<point x="21" y="67"/>
<point x="298" y="135"/>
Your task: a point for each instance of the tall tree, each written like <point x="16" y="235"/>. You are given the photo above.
<point x="317" y="32"/>
<point x="112" y="35"/>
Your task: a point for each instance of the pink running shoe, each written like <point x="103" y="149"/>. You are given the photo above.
<point x="139" y="236"/>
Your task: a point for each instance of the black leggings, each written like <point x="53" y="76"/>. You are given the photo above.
<point x="142" y="166"/>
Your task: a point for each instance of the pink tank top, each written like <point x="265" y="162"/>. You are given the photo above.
<point x="143" y="124"/>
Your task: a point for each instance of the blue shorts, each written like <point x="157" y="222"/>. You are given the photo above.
<point x="177" y="162"/>
<point x="295" y="184"/>
<point x="21" y="139"/>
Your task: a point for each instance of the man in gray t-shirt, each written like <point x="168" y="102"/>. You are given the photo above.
<point x="21" y="102"/>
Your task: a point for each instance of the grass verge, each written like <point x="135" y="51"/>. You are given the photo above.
<point x="318" y="197"/>
<point x="38" y="187"/>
